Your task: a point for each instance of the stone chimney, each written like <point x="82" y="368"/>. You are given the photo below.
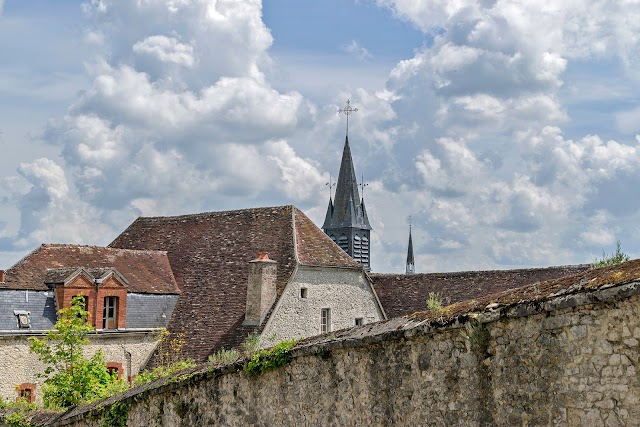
<point x="1" y="276"/>
<point x="261" y="289"/>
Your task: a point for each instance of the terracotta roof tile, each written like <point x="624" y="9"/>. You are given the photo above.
<point x="402" y="294"/>
<point x="316" y="248"/>
<point x="209" y="254"/>
<point x="145" y="271"/>
<point x="583" y="281"/>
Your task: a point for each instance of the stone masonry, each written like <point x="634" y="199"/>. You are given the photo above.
<point x="18" y="365"/>
<point x="568" y="358"/>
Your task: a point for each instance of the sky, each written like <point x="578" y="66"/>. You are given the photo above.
<point x="507" y="132"/>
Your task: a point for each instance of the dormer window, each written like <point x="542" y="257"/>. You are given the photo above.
<point x="24" y="318"/>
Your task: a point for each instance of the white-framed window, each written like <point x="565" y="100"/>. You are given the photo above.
<point x="325" y="320"/>
<point x="358" y="321"/>
<point x="304" y="292"/>
<point x="110" y="313"/>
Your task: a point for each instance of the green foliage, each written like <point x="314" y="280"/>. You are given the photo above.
<point x="272" y="358"/>
<point x="224" y="357"/>
<point x="17" y="419"/>
<point x="17" y="413"/>
<point x="116" y="415"/>
<point x="612" y="259"/>
<point x="251" y="345"/>
<point x="477" y="335"/>
<point x="169" y="356"/>
<point x="435" y="301"/>
<point x="147" y="376"/>
<point x="70" y="378"/>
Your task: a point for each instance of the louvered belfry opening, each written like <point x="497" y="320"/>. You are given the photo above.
<point x="346" y="221"/>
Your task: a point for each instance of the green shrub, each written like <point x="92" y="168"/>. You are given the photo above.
<point x="435" y="301"/>
<point x="612" y="259"/>
<point x="147" y="376"/>
<point x="70" y="378"/>
<point x="251" y="345"/>
<point x="272" y="358"/>
<point x="169" y="357"/>
<point x="17" y="413"/>
<point x="224" y="357"/>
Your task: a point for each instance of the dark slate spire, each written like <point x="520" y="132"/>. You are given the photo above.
<point x="327" y="217"/>
<point x="346" y="221"/>
<point x="348" y="209"/>
<point x="411" y="268"/>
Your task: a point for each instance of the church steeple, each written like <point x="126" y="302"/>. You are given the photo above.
<point x="411" y="268"/>
<point x="346" y="221"/>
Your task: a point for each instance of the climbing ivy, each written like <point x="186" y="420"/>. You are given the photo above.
<point x="116" y="415"/>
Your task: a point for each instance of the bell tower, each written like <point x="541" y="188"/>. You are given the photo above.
<point x="346" y="221"/>
<point x="411" y="267"/>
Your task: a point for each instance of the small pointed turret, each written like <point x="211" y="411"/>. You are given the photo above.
<point x="411" y="268"/>
<point x="346" y="221"/>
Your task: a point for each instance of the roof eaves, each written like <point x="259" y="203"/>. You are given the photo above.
<point x="276" y="305"/>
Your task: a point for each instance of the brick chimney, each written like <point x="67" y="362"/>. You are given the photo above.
<point x="261" y="288"/>
<point x="1" y="276"/>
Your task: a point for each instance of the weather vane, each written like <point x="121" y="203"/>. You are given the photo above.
<point x="330" y="185"/>
<point x="347" y="112"/>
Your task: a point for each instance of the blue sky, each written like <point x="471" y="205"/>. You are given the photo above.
<point x="507" y="130"/>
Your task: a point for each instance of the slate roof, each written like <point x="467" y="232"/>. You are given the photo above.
<point x="348" y="209"/>
<point x="403" y="294"/>
<point x="146" y="272"/>
<point x="210" y="253"/>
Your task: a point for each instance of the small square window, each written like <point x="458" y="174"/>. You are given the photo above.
<point x="304" y="292"/>
<point x="26" y="392"/>
<point x="114" y="369"/>
<point x="358" y="321"/>
<point x="24" y="318"/>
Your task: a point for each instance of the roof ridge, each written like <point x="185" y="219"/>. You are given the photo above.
<point x="451" y="273"/>
<point x="209" y="213"/>
<point x="109" y="248"/>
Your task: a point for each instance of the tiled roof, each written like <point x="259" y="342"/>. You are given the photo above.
<point x="145" y="271"/>
<point x="579" y="282"/>
<point x="402" y="294"/>
<point x="316" y="248"/>
<point x="60" y="275"/>
<point x="210" y="254"/>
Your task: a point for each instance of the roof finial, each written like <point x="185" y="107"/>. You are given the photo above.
<point x="362" y="185"/>
<point x="330" y="186"/>
<point x="347" y="112"/>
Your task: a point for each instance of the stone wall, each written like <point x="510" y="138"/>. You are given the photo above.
<point x="563" y="361"/>
<point x="346" y="292"/>
<point x="18" y="366"/>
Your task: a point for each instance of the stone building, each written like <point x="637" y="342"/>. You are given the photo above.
<point x="129" y="295"/>
<point x="268" y="271"/>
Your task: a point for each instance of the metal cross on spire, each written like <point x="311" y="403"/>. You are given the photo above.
<point x="347" y="112"/>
